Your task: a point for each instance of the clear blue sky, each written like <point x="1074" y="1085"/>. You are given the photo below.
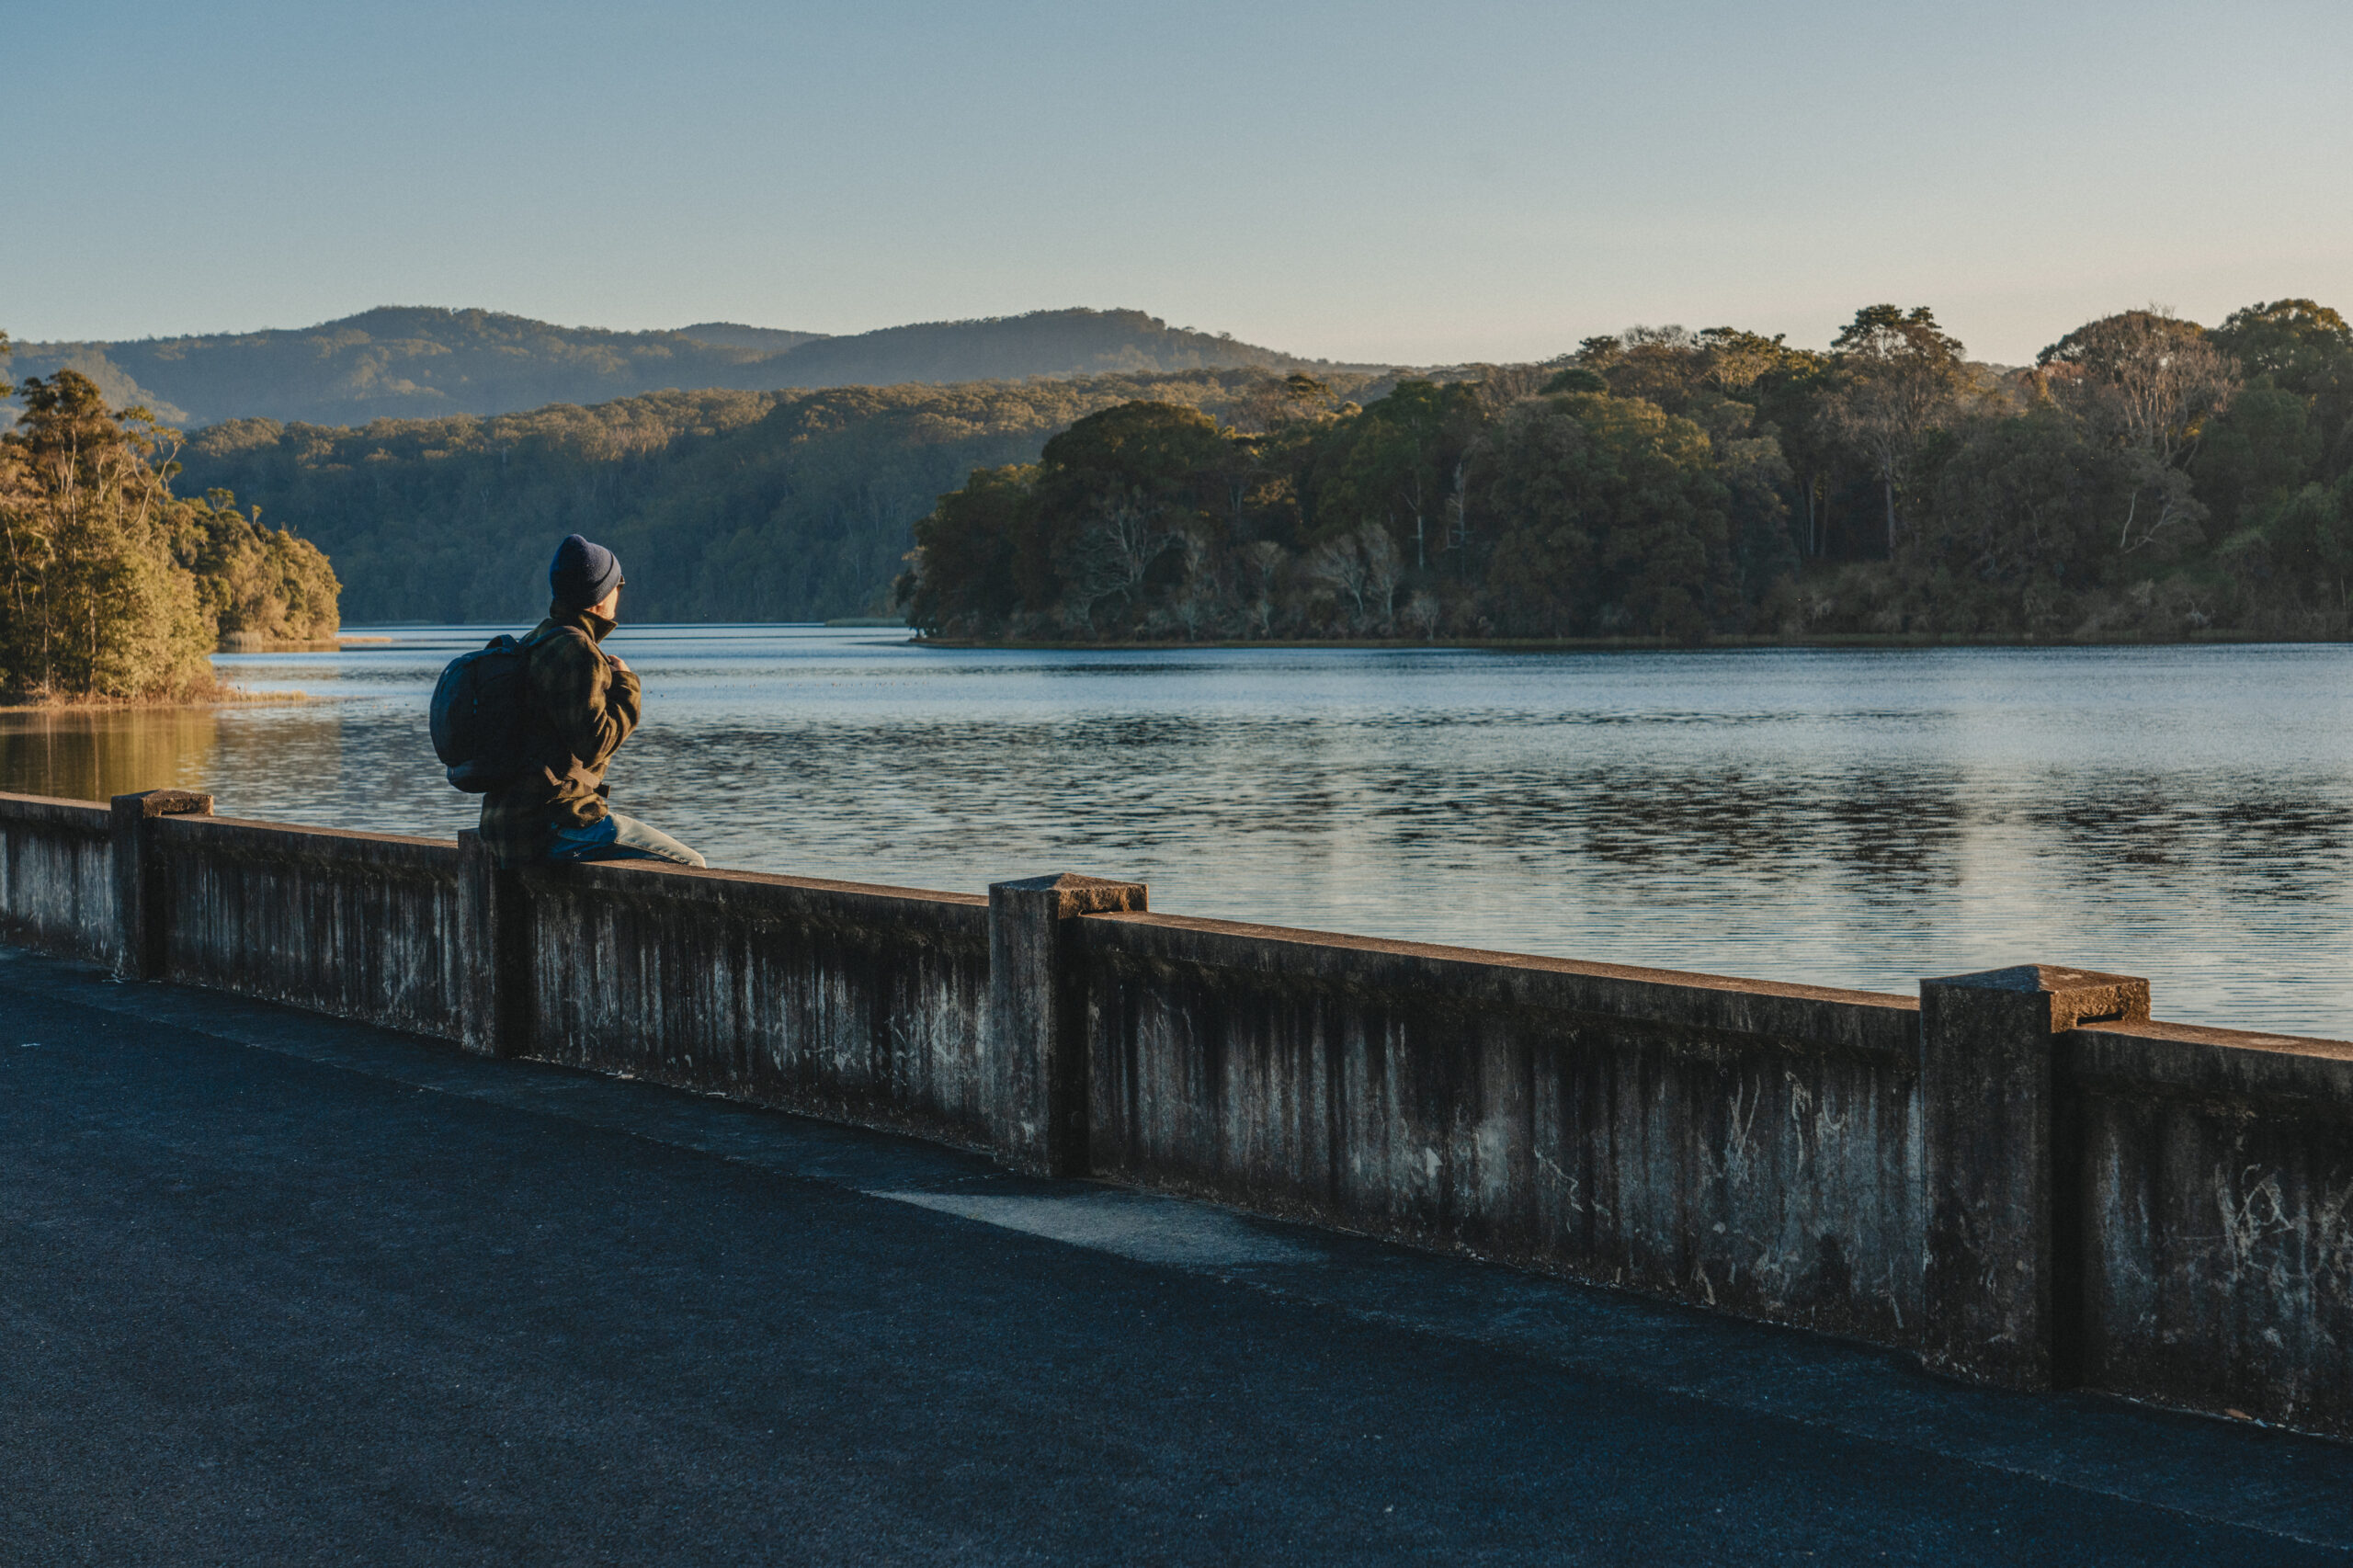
<point x="1414" y="182"/>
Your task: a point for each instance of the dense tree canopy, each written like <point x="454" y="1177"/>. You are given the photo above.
<point x="2147" y="477"/>
<point x="110" y="585"/>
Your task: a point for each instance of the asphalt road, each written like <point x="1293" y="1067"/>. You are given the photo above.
<point x="275" y="1290"/>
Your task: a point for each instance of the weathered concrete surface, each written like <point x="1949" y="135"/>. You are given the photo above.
<point x="494" y="1008"/>
<point x="354" y="925"/>
<point x="57" y="877"/>
<point x="353" y="1298"/>
<point x="865" y="1004"/>
<point x="1037" y="1039"/>
<point x="2216" y="1194"/>
<point x="141" y="879"/>
<point x="1729" y="1143"/>
<point x="2004" y="1253"/>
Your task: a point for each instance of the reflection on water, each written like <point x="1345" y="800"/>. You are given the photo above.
<point x="1858" y="818"/>
<point x="88" y="755"/>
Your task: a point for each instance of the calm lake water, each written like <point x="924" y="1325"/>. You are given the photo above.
<point x="1847" y="818"/>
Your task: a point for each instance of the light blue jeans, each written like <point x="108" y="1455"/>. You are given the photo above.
<point x="620" y="838"/>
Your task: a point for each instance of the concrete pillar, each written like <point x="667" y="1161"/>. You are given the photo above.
<point x="1037" y="1022"/>
<point x="138" y="890"/>
<point x="496" y="982"/>
<point x="2004" y="1264"/>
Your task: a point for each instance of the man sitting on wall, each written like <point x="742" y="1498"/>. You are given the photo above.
<point x="580" y="703"/>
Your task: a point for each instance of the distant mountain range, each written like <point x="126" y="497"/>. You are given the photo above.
<point x="411" y="362"/>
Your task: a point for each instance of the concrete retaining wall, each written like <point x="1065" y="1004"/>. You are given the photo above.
<point x="57" y="877"/>
<point x="2019" y="1176"/>
<point x="2213" y="1194"/>
<point x="860" y="1004"/>
<point x="1734" y="1144"/>
<point x="358" y="925"/>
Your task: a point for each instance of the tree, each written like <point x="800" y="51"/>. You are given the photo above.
<point x="1114" y="491"/>
<point x="1657" y="364"/>
<point x="2017" y="518"/>
<point x="1755" y="475"/>
<point x="97" y="605"/>
<point x="1394" y="464"/>
<point x="1114" y="552"/>
<point x="1790" y="397"/>
<point x="1576" y="379"/>
<point x="1609" y="519"/>
<point x="2302" y="345"/>
<point x="254" y="582"/>
<point x="2300" y="549"/>
<point x="110" y="585"/>
<point x="2145" y="383"/>
<point x="1199" y="600"/>
<point x="1278" y="401"/>
<point x="959" y="579"/>
<point x="1733" y="361"/>
<point x="2304" y="349"/>
<point x="729" y="505"/>
<point x="1422" y="614"/>
<point x="1261" y="567"/>
<point x="1363" y="568"/>
<point x="2265" y="445"/>
<point x="1898" y="376"/>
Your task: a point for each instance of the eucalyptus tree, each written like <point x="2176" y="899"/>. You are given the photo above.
<point x="96" y="603"/>
<point x="1898" y="376"/>
<point x="2146" y="384"/>
<point x="1396" y="464"/>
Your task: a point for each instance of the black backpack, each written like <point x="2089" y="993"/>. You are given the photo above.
<point x="478" y="716"/>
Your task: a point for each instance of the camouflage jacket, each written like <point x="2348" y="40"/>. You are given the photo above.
<point x="580" y="709"/>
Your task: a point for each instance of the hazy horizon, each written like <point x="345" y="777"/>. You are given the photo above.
<point x="1364" y="183"/>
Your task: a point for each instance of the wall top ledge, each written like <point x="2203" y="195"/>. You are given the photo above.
<point x="2151" y="1031"/>
<point x="53" y="806"/>
<point x="249" y="827"/>
<point x="2229" y="1065"/>
<point x="1379" y="946"/>
<point x="661" y="878"/>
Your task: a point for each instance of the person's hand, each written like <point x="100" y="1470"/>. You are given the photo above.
<point x="618" y="662"/>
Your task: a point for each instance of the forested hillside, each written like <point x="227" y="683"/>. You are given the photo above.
<point x="723" y="504"/>
<point x="1049" y="343"/>
<point x="401" y="363"/>
<point x="2147" y="477"/>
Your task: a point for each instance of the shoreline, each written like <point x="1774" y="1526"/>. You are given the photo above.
<point x="227" y="697"/>
<point x="1641" y="645"/>
<point x="238" y="643"/>
<point x="223" y="695"/>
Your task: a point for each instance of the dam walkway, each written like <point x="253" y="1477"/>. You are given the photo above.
<point x="280" y="1290"/>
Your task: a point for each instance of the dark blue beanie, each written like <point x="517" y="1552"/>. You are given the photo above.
<point x="582" y="573"/>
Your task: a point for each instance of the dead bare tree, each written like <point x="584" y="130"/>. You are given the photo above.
<point x="1421" y="613"/>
